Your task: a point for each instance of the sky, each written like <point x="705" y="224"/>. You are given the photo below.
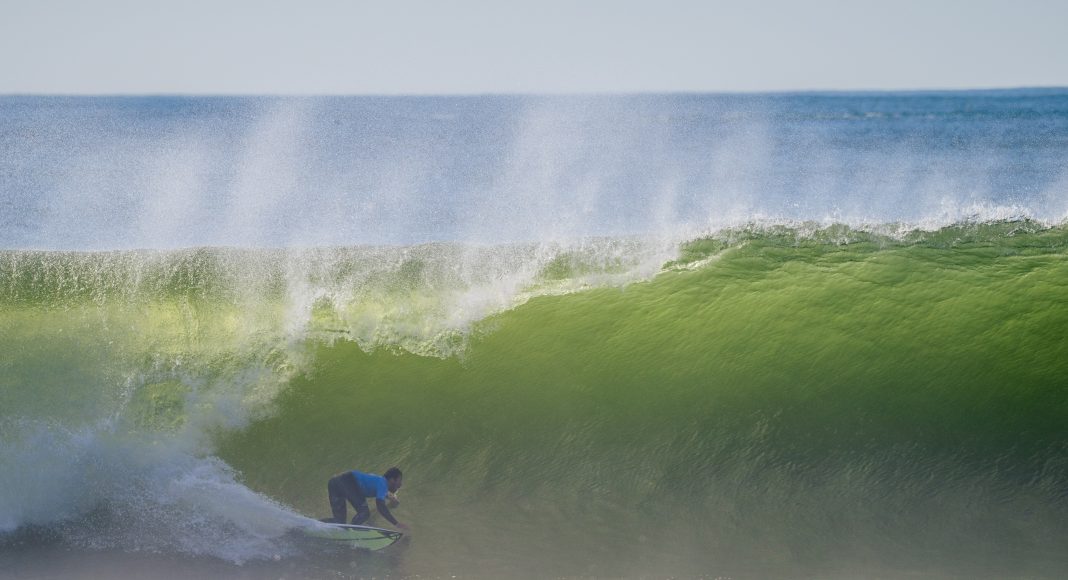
<point x="543" y="46"/>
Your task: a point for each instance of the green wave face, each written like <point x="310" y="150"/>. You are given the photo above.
<point x="774" y="402"/>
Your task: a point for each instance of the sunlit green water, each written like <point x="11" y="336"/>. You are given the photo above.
<point x="774" y="403"/>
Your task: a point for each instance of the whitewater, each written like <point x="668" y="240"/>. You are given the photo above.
<point x="788" y="335"/>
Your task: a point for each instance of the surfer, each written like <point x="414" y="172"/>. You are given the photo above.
<point x="355" y="487"/>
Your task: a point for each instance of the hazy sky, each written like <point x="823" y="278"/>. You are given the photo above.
<point x="542" y="46"/>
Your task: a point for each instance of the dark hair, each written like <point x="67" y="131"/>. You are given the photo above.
<point x="393" y="473"/>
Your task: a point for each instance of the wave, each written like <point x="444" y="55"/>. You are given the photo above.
<point x="750" y="400"/>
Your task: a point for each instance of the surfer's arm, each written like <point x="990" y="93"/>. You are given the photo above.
<point x="384" y="510"/>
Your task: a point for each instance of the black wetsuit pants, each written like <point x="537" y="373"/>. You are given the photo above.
<point x="342" y="488"/>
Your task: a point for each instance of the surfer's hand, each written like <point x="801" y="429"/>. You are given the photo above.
<point x="403" y="526"/>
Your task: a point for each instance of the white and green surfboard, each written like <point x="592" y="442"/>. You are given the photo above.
<point x="364" y="537"/>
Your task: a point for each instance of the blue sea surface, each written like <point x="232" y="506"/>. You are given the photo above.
<point x="127" y="172"/>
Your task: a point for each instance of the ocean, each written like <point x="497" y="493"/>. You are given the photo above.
<point x="814" y="335"/>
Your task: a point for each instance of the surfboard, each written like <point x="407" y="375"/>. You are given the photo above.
<point x="365" y="537"/>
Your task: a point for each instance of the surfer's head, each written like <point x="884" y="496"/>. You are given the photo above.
<point x="393" y="477"/>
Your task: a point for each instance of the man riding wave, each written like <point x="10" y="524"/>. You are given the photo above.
<point x="355" y="487"/>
